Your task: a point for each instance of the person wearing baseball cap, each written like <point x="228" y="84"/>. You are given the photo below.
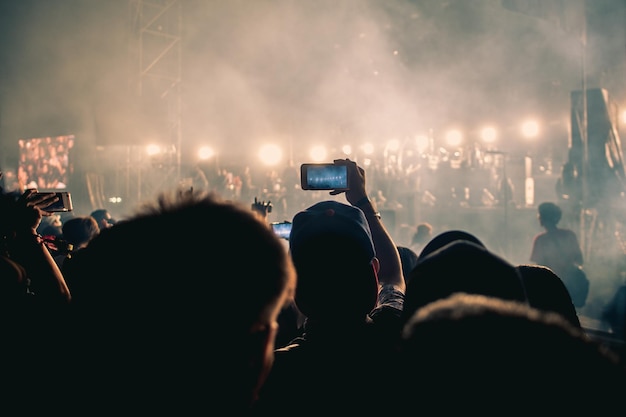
<point x="351" y="291"/>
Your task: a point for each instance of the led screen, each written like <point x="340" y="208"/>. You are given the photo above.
<point x="45" y="162"/>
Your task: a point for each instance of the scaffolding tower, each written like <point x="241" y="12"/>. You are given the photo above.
<point x="156" y="77"/>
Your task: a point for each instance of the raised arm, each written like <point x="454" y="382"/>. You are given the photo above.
<point x="28" y="250"/>
<point x="390" y="272"/>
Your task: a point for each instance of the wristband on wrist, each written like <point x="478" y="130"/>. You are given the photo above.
<point x="369" y="210"/>
<point x="374" y="213"/>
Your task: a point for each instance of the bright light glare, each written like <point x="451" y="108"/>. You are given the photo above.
<point x="488" y="134"/>
<point x="318" y="153"/>
<point x="205" y="152"/>
<point x="368" y="148"/>
<point x="530" y="129"/>
<point x="393" y="145"/>
<point x="454" y="137"/>
<point x="153" y="150"/>
<point x="346" y="149"/>
<point x="422" y="143"/>
<point x="270" y="154"/>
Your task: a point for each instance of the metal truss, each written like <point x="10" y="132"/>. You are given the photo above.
<point x="156" y="50"/>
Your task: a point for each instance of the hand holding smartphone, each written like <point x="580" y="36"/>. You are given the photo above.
<point x="63" y="203"/>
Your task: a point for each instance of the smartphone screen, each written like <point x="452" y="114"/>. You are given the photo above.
<point x="324" y="177"/>
<point x="282" y="229"/>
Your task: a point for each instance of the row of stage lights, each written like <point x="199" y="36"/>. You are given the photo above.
<point x="271" y="154"/>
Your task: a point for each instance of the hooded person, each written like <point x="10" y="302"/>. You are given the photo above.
<point x="461" y="266"/>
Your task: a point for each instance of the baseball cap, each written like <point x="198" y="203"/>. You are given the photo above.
<point x="331" y="218"/>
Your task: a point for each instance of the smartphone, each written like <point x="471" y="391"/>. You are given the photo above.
<point x="327" y="176"/>
<point x="282" y="229"/>
<point x="63" y="204"/>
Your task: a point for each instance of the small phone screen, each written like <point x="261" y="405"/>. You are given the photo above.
<point x="282" y="229"/>
<point x="324" y="177"/>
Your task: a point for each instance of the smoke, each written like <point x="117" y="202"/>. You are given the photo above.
<point x="358" y="70"/>
<point x="299" y="71"/>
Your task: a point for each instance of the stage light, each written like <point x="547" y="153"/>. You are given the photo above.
<point x="318" y="153"/>
<point x="205" y="153"/>
<point x="153" y="150"/>
<point x="393" y="145"/>
<point x="270" y="154"/>
<point x="454" y="138"/>
<point x="488" y="134"/>
<point x="530" y="129"/>
<point x="422" y="143"/>
<point x="367" y="148"/>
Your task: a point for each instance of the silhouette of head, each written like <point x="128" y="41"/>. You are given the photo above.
<point x="549" y="213"/>
<point x="183" y="267"/>
<point x="332" y="251"/>
<point x="80" y="230"/>
<point x="461" y="266"/>
<point x="470" y="351"/>
<point x="422" y="233"/>
<point x="446" y="237"/>
<point x="103" y="218"/>
<point x="546" y="291"/>
<point x="331" y="218"/>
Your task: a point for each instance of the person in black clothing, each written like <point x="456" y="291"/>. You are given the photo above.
<point x="470" y="353"/>
<point x="558" y="249"/>
<point x="351" y="291"/>
<point x="178" y="321"/>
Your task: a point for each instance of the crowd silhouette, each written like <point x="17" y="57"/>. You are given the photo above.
<point x="194" y="304"/>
